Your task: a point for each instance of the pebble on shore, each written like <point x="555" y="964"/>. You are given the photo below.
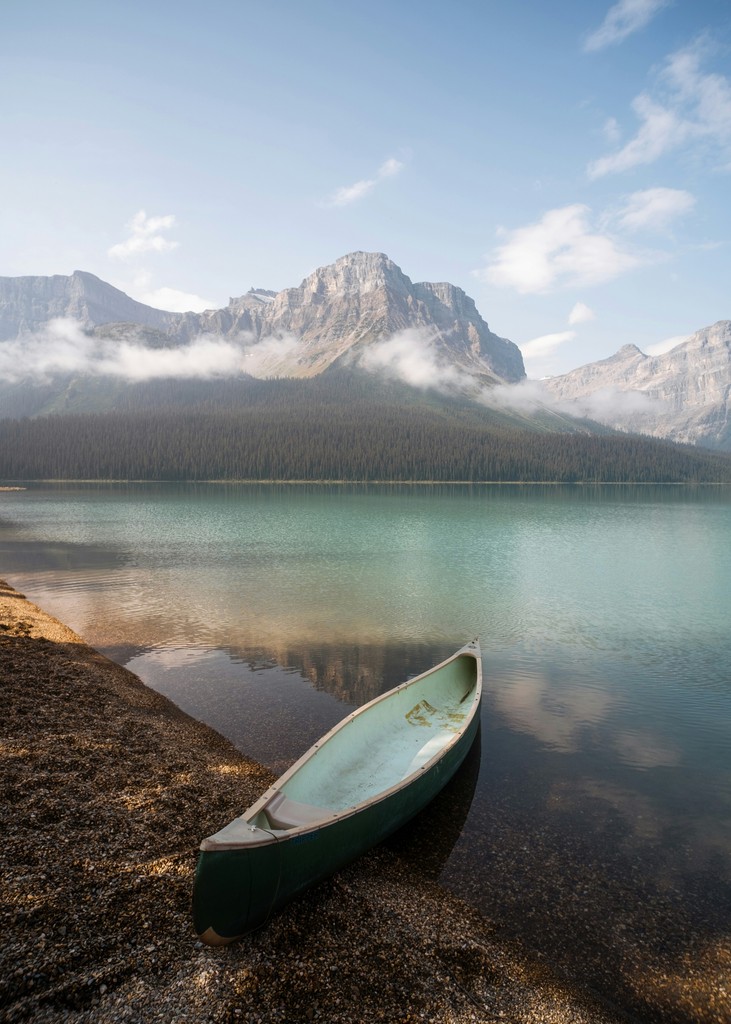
<point x="107" y="790"/>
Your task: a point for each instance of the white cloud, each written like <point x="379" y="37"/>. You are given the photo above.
<point x="203" y="358"/>
<point x="622" y="20"/>
<point x="546" y="344"/>
<point x="538" y="352"/>
<point x="526" y="396"/>
<point x="692" y="107"/>
<point x="389" y="168"/>
<point x="63" y="347"/>
<point x="610" y="405"/>
<point x="606" y="405"/>
<point x="273" y="356"/>
<point x="661" y="347"/>
<point x="661" y="130"/>
<point x="559" y="250"/>
<point x="654" y="208"/>
<point x="581" y="314"/>
<point x="352" y="193"/>
<point x="612" y="131"/>
<point x="173" y="300"/>
<point x="145" y="235"/>
<point x="412" y="356"/>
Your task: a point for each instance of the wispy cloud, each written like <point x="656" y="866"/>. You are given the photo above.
<point x="581" y="313"/>
<point x="538" y="354"/>
<point x="608" y="405"/>
<point x="689" y="106"/>
<point x="563" y="248"/>
<point x="63" y="347"/>
<point x="352" y="193"/>
<point x="612" y="132"/>
<point x="667" y="345"/>
<point x="572" y="246"/>
<point x="546" y="344"/>
<point x="654" y="208"/>
<point x="621" y="21"/>
<point x="412" y="356"/>
<point x="172" y="299"/>
<point x="527" y="396"/>
<point x="145" y="235"/>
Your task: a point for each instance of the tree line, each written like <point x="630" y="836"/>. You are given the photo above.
<point x="361" y="441"/>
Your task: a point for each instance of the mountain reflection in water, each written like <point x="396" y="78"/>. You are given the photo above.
<point x="594" y="825"/>
<point x="569" y="825"/>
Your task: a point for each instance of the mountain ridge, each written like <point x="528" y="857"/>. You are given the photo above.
<point x="28" y="303"/>
<point x="359" y="299"/>
<point x="361" y="312"/>
<point x="683" y="395"/>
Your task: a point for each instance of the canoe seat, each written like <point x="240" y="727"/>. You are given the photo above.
<point x="285" y="813"/>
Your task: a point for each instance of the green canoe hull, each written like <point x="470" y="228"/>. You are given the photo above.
<point x="360" y="782"/>
<point x="237" y="890"/>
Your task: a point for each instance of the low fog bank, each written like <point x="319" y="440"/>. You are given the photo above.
<point x="416" y="357"/>
<point x="605" y="405"/>
<point x="63" y="347"/>
<point x="419" y="357"/>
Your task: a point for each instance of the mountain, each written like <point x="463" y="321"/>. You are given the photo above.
<point x="77" y="344"/>
<point x="683" y="395"/>
<point x="361" y="299"/>
<point x="27" y="304"/>
<point x="339" y="315"/>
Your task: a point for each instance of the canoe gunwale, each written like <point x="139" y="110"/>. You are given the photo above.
<point x="268" y="837"/>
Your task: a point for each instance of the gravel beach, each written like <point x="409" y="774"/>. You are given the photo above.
<point x="107" y="790"/>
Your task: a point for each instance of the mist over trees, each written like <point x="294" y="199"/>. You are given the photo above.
<point x="306" y="435"/>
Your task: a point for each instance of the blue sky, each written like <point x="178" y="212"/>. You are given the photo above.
<point x="567" y="164"/>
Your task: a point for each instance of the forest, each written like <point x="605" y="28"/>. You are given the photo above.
<point x="313" y="439"/>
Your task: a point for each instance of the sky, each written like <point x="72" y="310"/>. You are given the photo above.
<point x="567" y="164"/>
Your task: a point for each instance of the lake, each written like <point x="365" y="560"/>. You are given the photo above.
<point x="592" y="822"/>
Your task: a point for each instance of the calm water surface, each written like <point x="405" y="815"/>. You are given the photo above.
<point x="593" y="821"/>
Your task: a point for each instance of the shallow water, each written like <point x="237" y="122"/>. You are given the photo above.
<point x="597" y="809"/>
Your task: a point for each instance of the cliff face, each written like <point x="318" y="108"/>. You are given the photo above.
<point x="360" y="299"/>
<point x="683" y="395"/>
<point x="338" y="310"/>
<point x="28" y="303"/>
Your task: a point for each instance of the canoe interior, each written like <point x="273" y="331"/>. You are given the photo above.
<point x="379" y="746"/>
<point x="371" y="773"/>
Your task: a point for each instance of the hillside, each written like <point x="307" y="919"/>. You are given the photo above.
<point x="301" y="430"/>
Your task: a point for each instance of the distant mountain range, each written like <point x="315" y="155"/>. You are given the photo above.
<point x="75" y="343"/>
<point x="683" y="395"/>
<point x="333" y="316"/>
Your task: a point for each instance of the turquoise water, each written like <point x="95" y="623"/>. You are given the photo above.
<point x="601" y="795"/>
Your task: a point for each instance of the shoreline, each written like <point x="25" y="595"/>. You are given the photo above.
<point x="274" y="482"/>
<point x="109" y="788"/>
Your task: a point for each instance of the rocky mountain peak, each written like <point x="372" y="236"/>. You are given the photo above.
<point x="628" y="352"/>
<point x="717" y="336"/>
<point x="337" y="312"/>
<point x="356" y="274"/>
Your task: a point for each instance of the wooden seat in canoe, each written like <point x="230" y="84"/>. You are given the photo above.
<point x="285" y="813"/>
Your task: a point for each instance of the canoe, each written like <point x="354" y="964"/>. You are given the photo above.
<point x="365" y="778"/>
